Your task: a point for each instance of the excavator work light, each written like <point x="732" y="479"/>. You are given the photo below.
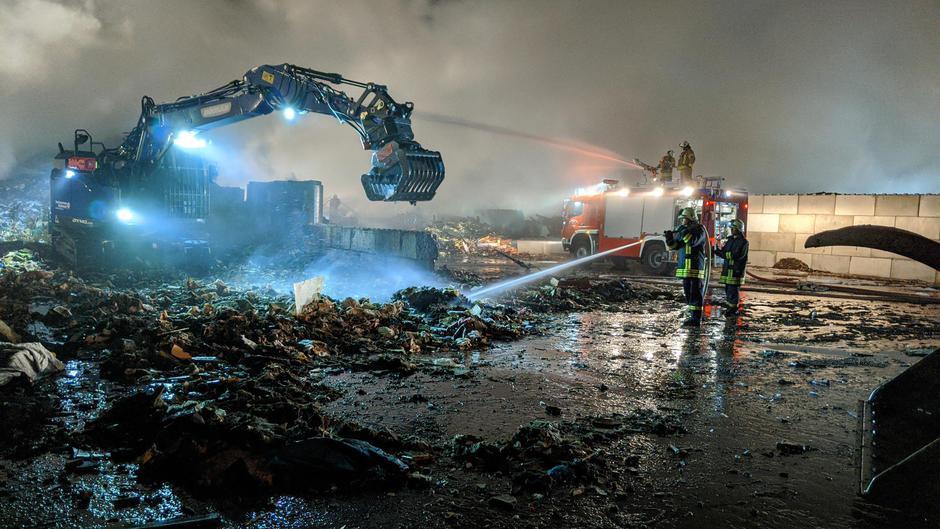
<point x="124" y="215"/>
<point x="187" y="139"/>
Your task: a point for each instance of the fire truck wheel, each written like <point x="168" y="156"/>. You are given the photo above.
<point x="581" y="248"/>
<point x="655" y="259"/>
<point x="620" y="263"/>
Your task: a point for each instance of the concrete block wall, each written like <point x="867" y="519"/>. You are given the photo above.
<point x="778" y="226"/>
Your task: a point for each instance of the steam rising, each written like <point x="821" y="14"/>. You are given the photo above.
<point x="775" y="96"/>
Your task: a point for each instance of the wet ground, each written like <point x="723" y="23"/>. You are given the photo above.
<point x="790" y="370"/>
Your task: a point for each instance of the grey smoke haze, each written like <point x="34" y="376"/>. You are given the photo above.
<point x="776" y="96"/>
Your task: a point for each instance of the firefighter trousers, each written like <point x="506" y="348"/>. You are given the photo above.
<point x="732" y="296"/>
<point x="692" y="288"/>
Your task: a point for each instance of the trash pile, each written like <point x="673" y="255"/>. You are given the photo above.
<point x="469" y="236"/>
<point x="791" y="263"/>
<point x="222" y="386"/>
<point x="543" y="456"/>
<point x="585" y="293"/>
<point x="24" y="204"/>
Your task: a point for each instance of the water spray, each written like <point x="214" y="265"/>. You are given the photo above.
<point x="513" y="283"/>
<point x="589" y="151"/>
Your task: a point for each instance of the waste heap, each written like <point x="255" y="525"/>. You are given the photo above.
<point x="221" y="387"/>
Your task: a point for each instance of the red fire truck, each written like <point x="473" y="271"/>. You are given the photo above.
<point x="609" y="215"/>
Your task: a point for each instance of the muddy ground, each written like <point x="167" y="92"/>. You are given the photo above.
<point x="746" y="422"/>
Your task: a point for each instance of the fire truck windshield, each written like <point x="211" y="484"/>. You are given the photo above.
<point x="573" y="209"/>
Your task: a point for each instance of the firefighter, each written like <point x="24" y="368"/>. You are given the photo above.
<point x="734" y="253"/>
<point x="690" y="240"/>
<point x="666" y="164"/>
<point x="686" y="161"/>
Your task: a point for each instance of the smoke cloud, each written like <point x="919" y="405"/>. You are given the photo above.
<point x="775" y="96"/>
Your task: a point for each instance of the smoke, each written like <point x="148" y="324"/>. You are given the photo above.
<point x="345" y="274"/>
<point x="775" y="96"/>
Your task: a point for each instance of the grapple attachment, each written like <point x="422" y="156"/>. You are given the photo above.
<point x="403" y="173"/>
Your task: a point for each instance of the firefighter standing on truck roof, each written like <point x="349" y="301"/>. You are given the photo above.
<point x="734" y="252"/>
<point x="666" y="164"/>
<point x="686" y="161"/>
<point x="690" y="240"/>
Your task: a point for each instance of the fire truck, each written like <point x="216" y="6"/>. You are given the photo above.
<point x="609" y="215"/>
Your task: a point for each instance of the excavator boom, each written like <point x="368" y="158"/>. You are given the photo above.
<point x="402" y="170"/>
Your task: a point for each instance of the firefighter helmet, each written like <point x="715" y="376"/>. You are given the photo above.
<point x="684" y="145"/>
<point x="687" y="214"/>
<point x="669" y="153"/>
<point x="737" y="224"/>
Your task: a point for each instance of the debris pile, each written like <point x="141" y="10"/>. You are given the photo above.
<point x="585" y="293"/>
<point x="24" y="203"/>
<point x="543" y="455"/>
<point x="469" y="236"/>
<point x="791" y="263"/>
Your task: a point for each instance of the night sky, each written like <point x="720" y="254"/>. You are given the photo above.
<point x="778" y="97"/>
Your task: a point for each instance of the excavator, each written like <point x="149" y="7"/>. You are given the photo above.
<point x="154" y="191"/>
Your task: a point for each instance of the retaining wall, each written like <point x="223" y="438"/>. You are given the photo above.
<point x="778" y="225"/>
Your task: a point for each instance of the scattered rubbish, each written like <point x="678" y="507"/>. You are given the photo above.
<point x="307" y="291"/>
<point x="204" y="521"/>
<point x="788" y="448"/>
<point x="26" y="361"/>
<point x="503" y="502"/>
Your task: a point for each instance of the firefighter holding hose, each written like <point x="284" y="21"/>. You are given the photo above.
<point x="691" y="241"/>
<point x="734" y="253"/>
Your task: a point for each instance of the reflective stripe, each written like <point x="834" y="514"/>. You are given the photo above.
<point x="693" y="273"/>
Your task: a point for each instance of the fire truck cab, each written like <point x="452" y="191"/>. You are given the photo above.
<point x="609" y="215"/>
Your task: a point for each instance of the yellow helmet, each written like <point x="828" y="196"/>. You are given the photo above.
<point x="687" y="213"/>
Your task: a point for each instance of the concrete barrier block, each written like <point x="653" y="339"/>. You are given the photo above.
<point x="929" y="206"/>
<point x="871" y="219"/>
<point x="836" y="264"/>
<point x="796" y="223"/>
<point x="927" y="226"/>
<point x="540" y="247"/>
<point x="763" y="222"/>
<point x="851" y="251"/>
<point x="886" y="255"/>
<point x="832" y="222"/>
<point x="855" y="205"/>
<point x="755" y="204"/>
<point x="907" y="269"/>
<point x="760" y="258"/>
<point x="799" y="242"/>
<point x="755" y="240"/>
<point x="787" y="204"/>
<point x="870" y="266"/>
<point x="777" y="242"/>
<point x="897" y="205"/>
<point x="805" y="257"/>
<point x="817" y="205"/>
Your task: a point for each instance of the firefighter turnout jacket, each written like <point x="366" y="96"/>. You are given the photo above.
<point x="690" y="241"/>
<point x="686" y="158"/>
<point x="734" y="253"/>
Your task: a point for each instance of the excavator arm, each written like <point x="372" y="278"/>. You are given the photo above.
<point x="401" y="170"/>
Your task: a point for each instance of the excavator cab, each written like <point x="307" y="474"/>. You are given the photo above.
<point x="403" y="173"/>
